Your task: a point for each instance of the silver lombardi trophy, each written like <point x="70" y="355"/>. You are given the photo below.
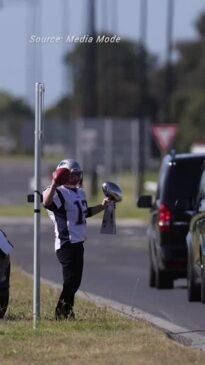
<point x="114" y="193"/>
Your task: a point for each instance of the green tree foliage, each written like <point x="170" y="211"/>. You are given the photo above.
<point x="188" y="83"/>
<point x="62" y="109"/>
<point x="188" y="103"/>
<point x="189" y="110"/>
<point x="11" y="107"/>
<point x="117" y="79"/>
<point x="13" y="111"/>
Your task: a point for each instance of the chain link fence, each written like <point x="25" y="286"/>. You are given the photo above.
<point x="103" y="146"/>
<point x="111" y="144"/>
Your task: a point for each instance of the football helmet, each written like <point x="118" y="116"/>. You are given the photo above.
<point x="75" y="172"/>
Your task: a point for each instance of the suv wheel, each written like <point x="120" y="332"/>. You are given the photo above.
<point x="163" y="279"/>
<point x="203" y="280"/>
<point x="193" y="290"/>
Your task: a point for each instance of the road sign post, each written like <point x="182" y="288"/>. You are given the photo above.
<point x="39" y="91"/>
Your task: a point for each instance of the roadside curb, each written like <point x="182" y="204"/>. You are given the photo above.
<point x="182" y="335"/>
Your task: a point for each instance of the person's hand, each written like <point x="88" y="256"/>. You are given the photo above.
<point x="106" y="202"/>
<point x="53" y="184"/>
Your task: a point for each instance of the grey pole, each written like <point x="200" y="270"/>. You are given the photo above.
<point x="39" y="91"/>
<point x="66" y="88"/>
<point x="108" y="145"/>
<point x="143" y="92"/>
<point x="169" y="66"/>
<point x="135" y="132"/>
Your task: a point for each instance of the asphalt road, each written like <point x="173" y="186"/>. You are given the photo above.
<point x="116" y="267"/>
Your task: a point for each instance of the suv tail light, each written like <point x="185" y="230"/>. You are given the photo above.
<point x="165" y="216"/>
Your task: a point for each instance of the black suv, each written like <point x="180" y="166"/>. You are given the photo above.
<point x="196" y="247"/>
<point x="178" y="179"/>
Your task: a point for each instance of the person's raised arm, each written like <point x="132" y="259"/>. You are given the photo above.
<point x="49" y="193"/>
<point x="98" y="208"/>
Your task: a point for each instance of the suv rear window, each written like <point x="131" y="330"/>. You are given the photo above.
<point x="182" y="180"/>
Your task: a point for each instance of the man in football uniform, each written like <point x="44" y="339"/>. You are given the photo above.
<point x="67" y="207"/>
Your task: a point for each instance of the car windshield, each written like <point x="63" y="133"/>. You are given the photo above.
<point x="182" y="181"/>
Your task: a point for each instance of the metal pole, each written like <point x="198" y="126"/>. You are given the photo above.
<point x="90" y="99"/>
<point x="65" y="31"/>
<point x="134" y="151"/>
<point x="108" y="145"/>
<point x="168" y="74"/>
<point x="143" y="93"/>
<point x="39" y="90"/>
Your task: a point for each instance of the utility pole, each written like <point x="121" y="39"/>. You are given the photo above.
<point x="169" y="69"/>
<point x="143" y="94"/>
<point x="90" y="106"/>
<point x="65" y="31"/>
<point x="39" y="91"/>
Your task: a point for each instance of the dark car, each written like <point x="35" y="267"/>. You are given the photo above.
<point x="196" y="248"/>
<point x="178" y="179"/>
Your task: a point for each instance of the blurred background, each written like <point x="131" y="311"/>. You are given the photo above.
<point x="115" y="107"/>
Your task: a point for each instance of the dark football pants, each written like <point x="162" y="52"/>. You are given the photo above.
<point x="71" y="258"/>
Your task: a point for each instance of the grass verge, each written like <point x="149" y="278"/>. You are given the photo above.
<point x="98" y="336"/>
<point x="124" y="210"/>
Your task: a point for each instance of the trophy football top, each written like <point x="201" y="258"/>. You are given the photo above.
<point x="112" y="191"/>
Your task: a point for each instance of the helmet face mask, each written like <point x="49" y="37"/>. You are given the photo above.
<point x="75" y="178"/>
<point x="75" y="172"/>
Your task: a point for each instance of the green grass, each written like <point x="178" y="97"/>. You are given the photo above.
<point x="124" y="210"/>
<point x="98" y="336"/>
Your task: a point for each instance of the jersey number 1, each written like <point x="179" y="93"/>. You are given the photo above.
<point x="81" y="211"/>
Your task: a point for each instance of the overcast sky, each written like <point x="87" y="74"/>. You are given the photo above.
<point x="15" y="22"/>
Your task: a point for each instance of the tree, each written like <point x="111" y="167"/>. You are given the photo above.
<point x="188" y="98"/>
<point x="62" y="109"/>
<point x="190" y="111"/>
<point x="117" y="80"/>
<point x="13" y="112"/>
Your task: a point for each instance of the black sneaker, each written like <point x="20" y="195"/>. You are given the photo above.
<point x="64" y="311"/>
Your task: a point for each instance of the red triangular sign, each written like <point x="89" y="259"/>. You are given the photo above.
<point x="164" y="135"/>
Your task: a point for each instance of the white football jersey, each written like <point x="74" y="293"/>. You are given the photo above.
<point x="68" y="213"/>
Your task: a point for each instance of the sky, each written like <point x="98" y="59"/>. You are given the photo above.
<point x="16" y="23"/>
